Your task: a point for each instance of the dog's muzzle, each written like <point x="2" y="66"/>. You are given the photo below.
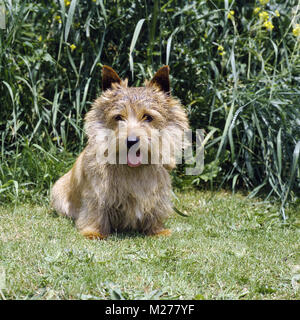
<point x="134" y="158"/>
<point x="132" y="140"/>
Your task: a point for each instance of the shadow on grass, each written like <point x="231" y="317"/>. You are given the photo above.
<point x="117" y="236"/>
<point x="114" y="236"/>
<point x="54" y="215"/>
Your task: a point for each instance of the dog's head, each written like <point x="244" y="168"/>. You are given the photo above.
<point x="136" y="125"/>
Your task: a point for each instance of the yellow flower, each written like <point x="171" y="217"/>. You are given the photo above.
<point x="296" y="30"/>
<point x="67" y="3"/>
<point x="230" y="14"/>
<point x="268" y="25"/>
<point x="256" y="10"/>
<point x="263" y="2"/>
<point x="58" y="19"/>
<point x="264" y="16"/>
<point x="40" y="38"/>
<point x="72" y="47"/>
<point x="221" y="50"/>
<point x="277" y="14"/>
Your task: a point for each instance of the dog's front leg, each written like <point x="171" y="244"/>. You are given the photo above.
<point x="153" y="225"/>
<point x="93" y="224"/>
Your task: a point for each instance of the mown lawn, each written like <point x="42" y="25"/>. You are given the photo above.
<point x="228" y="248"/>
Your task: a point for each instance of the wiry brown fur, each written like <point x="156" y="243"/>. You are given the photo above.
<point x="106" y="197"/>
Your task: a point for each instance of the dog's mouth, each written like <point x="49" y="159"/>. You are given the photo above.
<point x="134" y="159"/>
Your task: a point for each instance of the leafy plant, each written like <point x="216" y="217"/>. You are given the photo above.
<point x="234" y="64"/>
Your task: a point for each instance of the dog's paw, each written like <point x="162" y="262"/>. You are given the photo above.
<point x="93" y="235"/>
<point x="162" y="232"/>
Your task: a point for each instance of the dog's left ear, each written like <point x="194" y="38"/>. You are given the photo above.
<point x="161" y="79"/>
<point x="109" y="76"/>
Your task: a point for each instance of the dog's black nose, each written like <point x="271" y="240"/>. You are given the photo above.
<point x="131" y="140"/>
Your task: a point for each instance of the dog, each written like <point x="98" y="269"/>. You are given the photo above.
<point x="104" y="193"/>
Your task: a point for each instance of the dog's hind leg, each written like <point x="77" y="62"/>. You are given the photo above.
<point x="66" y="193"/>
<point x="60" y="197"/>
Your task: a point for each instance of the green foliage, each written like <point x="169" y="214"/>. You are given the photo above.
<point x="235" y="70"/>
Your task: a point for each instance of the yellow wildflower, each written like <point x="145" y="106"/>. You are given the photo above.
<point x="256" y="10"/>
<point x="277" y="14"/>
<point x="58" y="19"/>
<point x="40" y="38"/>
<point x="263" y="2"/>
<point x="72" y="47"/>
<point x="230" y="14"/>
<point x="268" y="25"/>
<point x="67" y="3"/>
<point x="296" y="30"/>
<point x="221" y="50"/>
<point x="264" y="16"/>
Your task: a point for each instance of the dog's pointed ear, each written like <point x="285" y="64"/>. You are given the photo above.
<point x="109" y="76"/>
<point x="161" y="79"/>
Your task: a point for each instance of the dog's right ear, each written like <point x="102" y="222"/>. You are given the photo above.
<point x="109" y="76"/>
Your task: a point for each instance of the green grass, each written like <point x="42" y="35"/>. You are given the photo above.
<point x="246" y="94"/>
<point x="228" y="248"/>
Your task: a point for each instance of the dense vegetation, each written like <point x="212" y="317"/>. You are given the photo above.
<point x="234" y="64"/>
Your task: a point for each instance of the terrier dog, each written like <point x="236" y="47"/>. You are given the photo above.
<point x="104" y="192"/>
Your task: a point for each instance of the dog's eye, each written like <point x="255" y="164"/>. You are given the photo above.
<point x="118" y="117"/>
<point x="147" y="118"/>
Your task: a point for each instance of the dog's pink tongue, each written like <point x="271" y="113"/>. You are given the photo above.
<point x="133" y="160"/>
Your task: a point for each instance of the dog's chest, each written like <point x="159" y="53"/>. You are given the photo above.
<point x="127" y="215"/>
<point x="138" y="214"/>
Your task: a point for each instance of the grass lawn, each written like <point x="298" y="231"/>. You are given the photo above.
<point x="228" y="248"/>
